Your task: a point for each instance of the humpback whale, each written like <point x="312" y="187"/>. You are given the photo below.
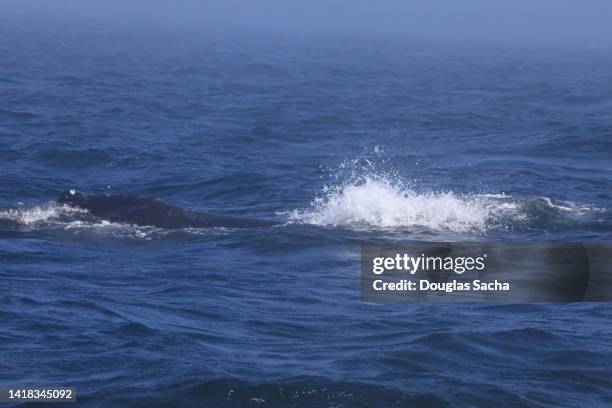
<point x="154" y="212"/>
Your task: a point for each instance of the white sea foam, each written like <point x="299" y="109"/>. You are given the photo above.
<point x="107" y="228"/>
<point x="36" y="214"/>
<point x="53" y="216"/>
<point x="379" y="203"/>
<point x="572" y="207"/>
<point x="74" y="221"/>
<point x="27" y="216"/>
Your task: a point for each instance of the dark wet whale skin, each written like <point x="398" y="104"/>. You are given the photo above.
<point x="148" y="211"/>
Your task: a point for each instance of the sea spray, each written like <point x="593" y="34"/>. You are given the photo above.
<point x="380" y="203"/>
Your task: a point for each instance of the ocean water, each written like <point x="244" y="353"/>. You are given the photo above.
<point x="340" y="141"/>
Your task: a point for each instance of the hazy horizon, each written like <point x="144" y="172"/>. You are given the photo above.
<point x="555" y="23"/>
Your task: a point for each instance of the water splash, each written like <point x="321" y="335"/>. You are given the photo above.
<point x="28" y="216"/>
<point x="40" y="214"/>
<point x="381" y="203"/>
<point x="385" y="202"/>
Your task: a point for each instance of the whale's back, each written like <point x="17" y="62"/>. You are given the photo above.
<point x="146" y="211"/>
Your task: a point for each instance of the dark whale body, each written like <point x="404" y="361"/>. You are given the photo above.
<point x="148" y="211"/>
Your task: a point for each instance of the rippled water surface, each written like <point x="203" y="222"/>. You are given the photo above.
<point x="341" y="142"/>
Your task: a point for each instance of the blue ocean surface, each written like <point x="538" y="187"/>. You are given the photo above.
<point x="342" y="142"/>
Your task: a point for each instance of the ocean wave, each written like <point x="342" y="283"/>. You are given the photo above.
<point x="17" y="115"/>
<point x="74" y="158"/>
